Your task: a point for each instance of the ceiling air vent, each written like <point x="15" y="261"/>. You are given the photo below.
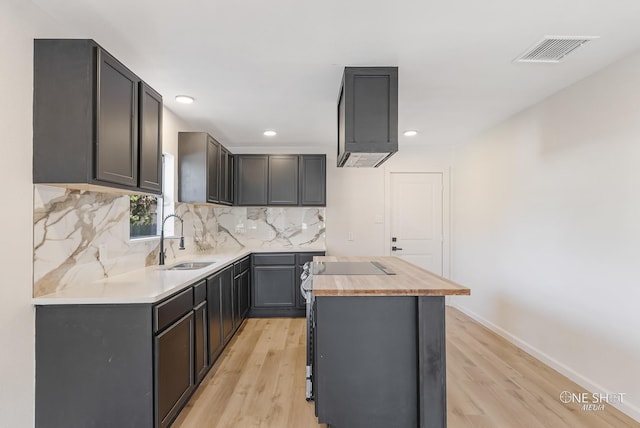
<point x="553" y="48"/>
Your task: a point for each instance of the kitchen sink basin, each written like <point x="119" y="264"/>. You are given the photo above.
<point x="190" y="265"/>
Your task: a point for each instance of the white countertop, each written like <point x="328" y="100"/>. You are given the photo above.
<point x="151" y="284"/>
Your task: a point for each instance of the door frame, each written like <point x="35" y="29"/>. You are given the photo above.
<point x="446" y="209"/>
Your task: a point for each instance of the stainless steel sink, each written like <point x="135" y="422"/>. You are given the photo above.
<point x="190" y="265"/>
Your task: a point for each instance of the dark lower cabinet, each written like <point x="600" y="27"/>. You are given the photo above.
<point x="175" y="377"/>
<point x="220" y="303"/>
<point x="201" y="340"/>
<point x="244" y="293"/>
<point x="380" y="361"/>
<point x="94" y="366"/>
<point x="214" y="304"/>
<point x="275" y="284"/>
<point x="226" y="288"/>
<point x="241" y="285"/>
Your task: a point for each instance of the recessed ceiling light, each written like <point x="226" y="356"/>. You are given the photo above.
<point x="410" y="133"/>
<point x="184" y="99"/>
<point x="270" y="133"/>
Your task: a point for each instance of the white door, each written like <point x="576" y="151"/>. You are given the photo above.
<point x="417" y="218"/>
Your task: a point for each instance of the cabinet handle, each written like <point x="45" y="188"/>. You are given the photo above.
<point x="394" y="248"/>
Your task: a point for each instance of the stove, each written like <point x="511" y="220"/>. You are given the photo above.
<point x="349" y="268"/>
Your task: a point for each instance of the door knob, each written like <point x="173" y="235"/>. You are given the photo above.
<point x="394" y="248"/>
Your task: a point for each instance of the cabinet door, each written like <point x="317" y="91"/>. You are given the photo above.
<point x="251" y="179"/>
<point x="230" y="180"/>
<point x="244" y="297"/>
<point x="213" y="170"/>
<point x="313" y="180"/>
<point x="283" y="180"/>
<point x="226" y="288"/>
<point x="150" y="139"/>
<point x="175" y="381"/>
<point x="224" y="186"/>
<point x="201" y="340"/>
<point x="237" y="316"/>
<point x="274" y="287"/>
<point x="214" y="309"/>
<point x="116" y="150"/>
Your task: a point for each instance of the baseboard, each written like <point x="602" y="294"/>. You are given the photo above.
<point x="588" y="384"/>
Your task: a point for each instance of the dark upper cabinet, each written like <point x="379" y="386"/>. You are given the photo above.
<point x="280" y="180"/>
<point x="313" y="177"/>
<point x="283" y="180"/>
<point x="116" y="148"/>
<point x="205" y="169"/>
<point x="367" y="116"/>
<point x="88" y="119"/>
<point x="150" y="139"/>
<point x="251" y="179"/>
<point x="226" y="176"/>
<point x="213" y="170"/>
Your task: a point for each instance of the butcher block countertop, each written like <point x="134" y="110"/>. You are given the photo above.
<point x="409" y="280"/>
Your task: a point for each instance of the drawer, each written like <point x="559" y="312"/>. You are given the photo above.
<point x="241" y="266"/>
<point x="274" y="259"/>
<point x="307" y="257"/>
<point x="172" y="309"/>
<point x="199" y="293"/>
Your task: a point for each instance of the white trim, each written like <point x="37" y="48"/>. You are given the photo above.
<point x="589" y="385"/>
<point x="446" y="209"/>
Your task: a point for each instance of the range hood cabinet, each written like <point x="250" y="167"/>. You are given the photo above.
<point x="367" y="116"/>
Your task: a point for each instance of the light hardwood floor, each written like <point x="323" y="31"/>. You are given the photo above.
<point x="259" y="382"/>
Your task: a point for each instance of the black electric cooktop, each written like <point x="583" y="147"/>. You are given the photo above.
<point x="349" y="268"/>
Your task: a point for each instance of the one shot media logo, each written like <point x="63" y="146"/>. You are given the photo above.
<point x="591" y="401"/>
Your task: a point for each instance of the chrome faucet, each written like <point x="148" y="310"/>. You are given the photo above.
<point x="181" y="247"/>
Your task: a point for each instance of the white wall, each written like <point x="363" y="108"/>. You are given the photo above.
<point x="356" y="198"/>
<point x="19" y="24"/>
<point x="546" y="221"/>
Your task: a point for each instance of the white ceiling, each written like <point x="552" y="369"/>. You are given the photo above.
<point x="276" y="64"/>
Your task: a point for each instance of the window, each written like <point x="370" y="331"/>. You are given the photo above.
<point x="146" y="212"/>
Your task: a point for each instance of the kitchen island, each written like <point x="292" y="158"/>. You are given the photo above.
<point x="379" y="346"/>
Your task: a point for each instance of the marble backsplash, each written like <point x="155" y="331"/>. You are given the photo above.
<point x="82" y="236"/>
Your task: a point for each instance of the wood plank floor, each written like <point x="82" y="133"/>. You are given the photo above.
<point x="259" y="382"/>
